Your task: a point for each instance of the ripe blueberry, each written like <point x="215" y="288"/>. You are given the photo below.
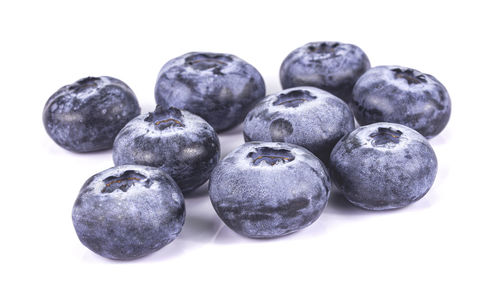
<point x="331" y="66"/>
<point x="221" y="88"/>
<point x="181" y="143"/>
<point x="402" y="95"/>
<point x="128" y="211"/>
<point x="305" y="116"/>
<point x="269" y="189"/>
<point x="383" y="166"/>
<point x="86" y="116"/>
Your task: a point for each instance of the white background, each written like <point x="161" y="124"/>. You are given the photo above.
<point x="446" y="244"/>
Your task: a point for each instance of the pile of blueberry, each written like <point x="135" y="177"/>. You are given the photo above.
<point x="274" y="184"/>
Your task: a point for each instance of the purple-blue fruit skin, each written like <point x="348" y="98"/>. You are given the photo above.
<point x="402" y="95"/>
<point x="331" y="66"/>
<point x="304" y="116"/>
<point x="221" y="88"/>
<point x="383" y="166"/>
<point x="87" y="115"/>
<point x="129" y="211"/>
<point x="269" y="189"/>
<point x="179" y="142"/>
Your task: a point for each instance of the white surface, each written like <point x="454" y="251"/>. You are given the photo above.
<point x="446" y="244"/>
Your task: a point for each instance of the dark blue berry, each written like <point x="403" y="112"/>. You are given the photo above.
<point x="221" y="88"/>
<point x="305" y="116"/>
<point x="402" y="95"/>
<point x="87" y="115"/>
<point x="269" y="189"/>
<point x="331" y="66"/>
<point x="383" y="166"/>
<point x="181" y="143"/>
<point x="128" y="211"/>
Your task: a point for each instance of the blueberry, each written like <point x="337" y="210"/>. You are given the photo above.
<point x="383" y="166"/>
<point x="86" y="116"/>
<point x="331" y="66"/>
<point x="266" y="189"/>
<point x="305" y="116"/>
<point x="181" y="143"/>
<point x="128" y="211"/>
<point x="221" y="88"/>
<point x="402" y="95"/>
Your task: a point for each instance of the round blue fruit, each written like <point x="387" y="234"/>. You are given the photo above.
<point x="331" y="66"/>
<point x="305" y="116"/>
<point x="221" y="88"/>
<point x="128" y="212"/>
<point x="269" y="189"/>
<point x="87" y="115"/>
<point x="402" y="95"/>
<point x="383" y="166"/>
<point x="179" y="142"/>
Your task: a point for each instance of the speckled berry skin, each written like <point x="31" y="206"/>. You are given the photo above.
<point x="331" y="66"/>
<point x="305" y="116"/>
<point x="181" y="143"/>
<point x="402" y="95"/>
<point x="269" y="189"/>
<point x="128" y="212"/>
<point x="87" y="115"/>
<point x="383" y="166"/>
<point x="221" y="88"/>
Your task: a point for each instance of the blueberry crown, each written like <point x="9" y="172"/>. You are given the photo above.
<point x="204" y="61"/>
<point x="126" y="180"/>
<point x="385" y="135"/>
<point x="323" y="47"/>
<point x="409" y="75"/>
<point x="165" y="118"/>
<point x="270" y="155"/>
<point x="293" y="98"/>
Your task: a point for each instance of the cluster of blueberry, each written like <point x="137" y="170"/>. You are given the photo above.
<point x="274" y="184"/>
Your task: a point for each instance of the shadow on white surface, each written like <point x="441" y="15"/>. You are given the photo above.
<point x="227" y="236"/>
<point x="200" y="192"/>
<point x="229" y="142"/>
<point x="441" y="139"/>
<point x="237" y="130"/>
<point x="202" y="223"/>
<point x="169" y="252"/>
<point x="273" y="84"/>
<point x="339" y="205"/>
